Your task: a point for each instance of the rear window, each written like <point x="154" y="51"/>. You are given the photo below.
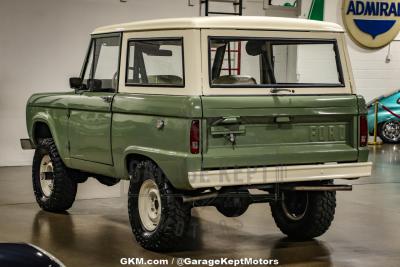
<point x="265" y="62"/>
<point x="155" y="62"/>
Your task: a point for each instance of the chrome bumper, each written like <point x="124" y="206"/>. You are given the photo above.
<point x="279" y="174"/>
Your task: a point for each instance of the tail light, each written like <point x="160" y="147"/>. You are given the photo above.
<point x="195" y="137"/>
<point x="363" y="130"/>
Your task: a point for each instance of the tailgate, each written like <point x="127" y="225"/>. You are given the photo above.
<point x="249" y="131"/>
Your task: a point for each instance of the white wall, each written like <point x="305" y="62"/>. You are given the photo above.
<point x="43" y="42"/>
<point x="373" y="76"/>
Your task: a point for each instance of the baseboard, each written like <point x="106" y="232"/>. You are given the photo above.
<point x="15" y="163"/>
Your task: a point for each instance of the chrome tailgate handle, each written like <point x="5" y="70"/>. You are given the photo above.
<point x="282" y="119"/>
<point x="227" y="121"/>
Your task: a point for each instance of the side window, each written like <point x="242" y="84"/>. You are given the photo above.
<point x="102" y="64"/>
<point x="155" y="62"/>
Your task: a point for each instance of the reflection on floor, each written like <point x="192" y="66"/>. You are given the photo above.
<point x="96" y="232"/>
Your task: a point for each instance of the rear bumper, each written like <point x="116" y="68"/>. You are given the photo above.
<point x="279" y="174"/>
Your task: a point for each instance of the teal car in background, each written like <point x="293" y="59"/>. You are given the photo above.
<point x="388" y="122"/>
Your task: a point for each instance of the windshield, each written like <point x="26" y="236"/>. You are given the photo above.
<point x="266" y="62"/>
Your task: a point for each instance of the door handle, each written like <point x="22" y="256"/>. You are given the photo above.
<point x="107" y="99"/>
<point x="277" y="90"/>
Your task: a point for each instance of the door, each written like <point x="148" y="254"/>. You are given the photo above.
<point x="90" y="111"/>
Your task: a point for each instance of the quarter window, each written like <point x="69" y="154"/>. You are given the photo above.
<point x="155" y="62"/>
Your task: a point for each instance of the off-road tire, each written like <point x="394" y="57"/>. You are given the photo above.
<point x="64" y="188"/>
<point x="316" y="220"/>
<point x="175" y="215"/>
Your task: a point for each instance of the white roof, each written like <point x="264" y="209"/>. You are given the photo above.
<point x="225" y="22"/>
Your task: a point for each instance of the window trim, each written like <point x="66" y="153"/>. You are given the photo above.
<point x="93" y="38"/>
<point x="338" y="61"/>
<point x="183" y="85"/>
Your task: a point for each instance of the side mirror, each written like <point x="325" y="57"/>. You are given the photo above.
<point x="95" y="85"/>
<point x="75" y="83"/>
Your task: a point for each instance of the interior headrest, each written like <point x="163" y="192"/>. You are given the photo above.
<point x="255" y="47"/>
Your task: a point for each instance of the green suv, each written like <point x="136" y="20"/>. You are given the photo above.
<point x="202" y="112"/>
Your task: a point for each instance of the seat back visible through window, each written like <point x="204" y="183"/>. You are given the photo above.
<point x="234" y="79"/>
<point x="155" y="62"/>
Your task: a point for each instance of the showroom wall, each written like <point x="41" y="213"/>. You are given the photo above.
<point x="373" y="75"/>
<point x="43" y="43"/>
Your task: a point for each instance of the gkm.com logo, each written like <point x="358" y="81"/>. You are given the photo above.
<point x="200" y="262"/>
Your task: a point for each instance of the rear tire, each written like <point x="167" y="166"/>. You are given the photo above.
<point x="304" y="215"/>
<point x="53" y="188"/>
<point x="157" y="214"/>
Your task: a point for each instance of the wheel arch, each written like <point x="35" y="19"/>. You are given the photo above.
<point x="131" y="160"/>
<point x="169" y="166"/>
<point x="43" y="127"/>
<point x="40" y="129"/>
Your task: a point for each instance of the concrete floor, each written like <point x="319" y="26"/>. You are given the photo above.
<point x="96" y="232"/>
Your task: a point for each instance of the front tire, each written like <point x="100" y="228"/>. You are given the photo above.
<point x="304" y="215"/>
<point x="54" y="190"/>
<point x="158" y="216"/>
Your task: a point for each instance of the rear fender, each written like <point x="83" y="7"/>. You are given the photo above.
<point x="173" y="164"/>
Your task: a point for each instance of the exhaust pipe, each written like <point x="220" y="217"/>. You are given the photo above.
<point x="200" y="197"/>
<point x="318" y="188"/>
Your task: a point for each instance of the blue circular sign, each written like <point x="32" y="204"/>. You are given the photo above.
<point x="372" y="24"/>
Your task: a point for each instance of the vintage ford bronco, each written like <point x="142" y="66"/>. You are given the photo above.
<point x="217" y="111"/>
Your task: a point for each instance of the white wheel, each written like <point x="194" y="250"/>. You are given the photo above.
<point x="149" y="205"/>
<point x="46" y="176"/>
<point x="54" y="189"/>
<point x="294" y="205"/>
<point x="157" y="214"/>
